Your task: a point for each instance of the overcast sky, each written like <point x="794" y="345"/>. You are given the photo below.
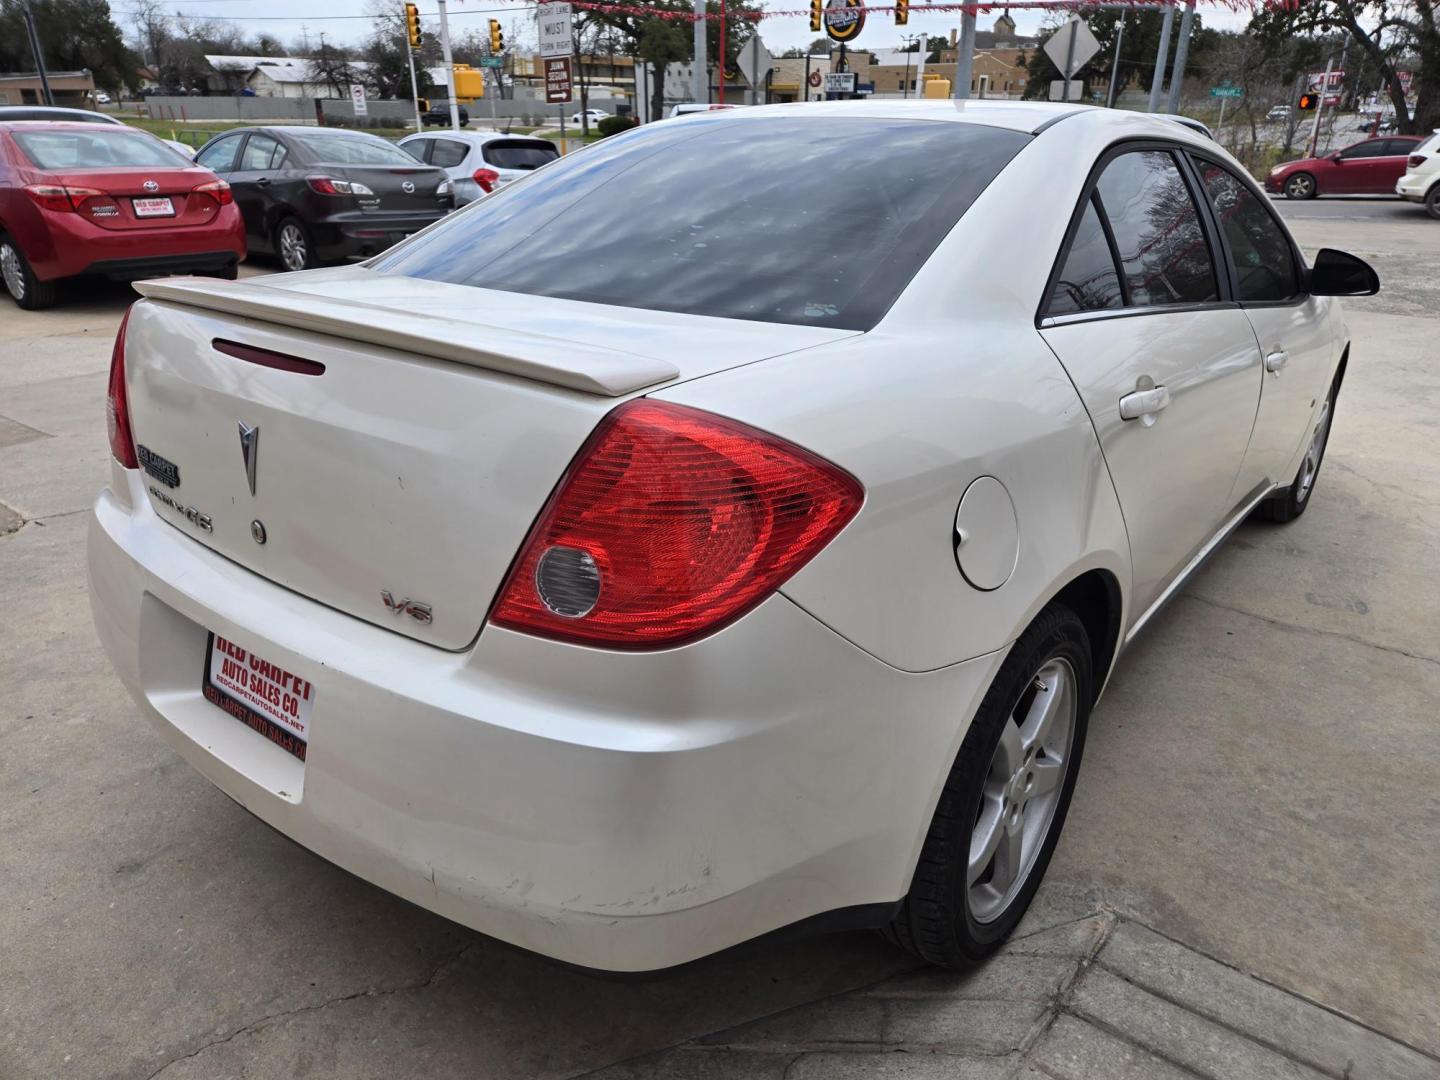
<point x="345" y="21"/>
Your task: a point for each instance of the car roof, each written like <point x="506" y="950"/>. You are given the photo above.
<point x="1031" y="117"/>
<point x="63" y="113"/>
<point x="67" y="125"/>
<point x="479" y="138"/>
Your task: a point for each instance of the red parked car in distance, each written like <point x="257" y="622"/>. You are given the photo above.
<point x="79" y="198"/>
<point x="1366" y="168"/>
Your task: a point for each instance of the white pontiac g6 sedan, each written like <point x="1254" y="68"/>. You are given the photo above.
<point x="627" y="576"/>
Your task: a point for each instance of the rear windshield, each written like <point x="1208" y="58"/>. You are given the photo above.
<point x="341" y="149"/>
<point x="818" y="221"/>
<point x="96" y="149"/>
<point x="520" y="153"/>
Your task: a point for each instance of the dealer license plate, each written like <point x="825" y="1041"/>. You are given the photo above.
<point x="273" y="701"/>
<point x="153" y="207"/>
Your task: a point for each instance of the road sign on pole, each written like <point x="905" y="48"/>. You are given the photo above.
<point x="1226" y="91"/>
<point x="357" y="99"/>
<point x="555" y="37"/>
<point x="1071" y="47"/>
<point x="557" y="79"/>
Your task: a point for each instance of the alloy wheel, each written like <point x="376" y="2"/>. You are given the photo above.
<point x="1299" y="187"/>
<point x="1311" y="465"/>
<point x="11" y="271"/>
<point x="293" y="252"/>
<point x="1022" y="790"/>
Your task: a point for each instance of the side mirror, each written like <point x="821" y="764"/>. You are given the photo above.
<point x="1338" y="158"/>
<point x="1338" y="273"/>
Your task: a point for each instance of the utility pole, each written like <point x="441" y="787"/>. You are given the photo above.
<point x="1157" y="81"/>
<point x="964" y="55"/>
<point x="701" y="87"/>
<point x="414" y="91"/>
<point x="449" y="66"/>
<point x="1320" y="107"/>
<point x="1182" y="52"/>
<point x="34" y="36"/>
<point x="1115" y="67"/>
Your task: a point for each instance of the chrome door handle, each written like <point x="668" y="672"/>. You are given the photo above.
<point x="1276" y="360"/>
<point x="1144" y="404"/>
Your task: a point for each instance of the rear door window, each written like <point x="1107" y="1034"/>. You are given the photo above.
<point x="448" y="153"/>
<point x="1088" y="280"/>
<point x="1164" y="256"/>
<point x="520" y="153"/>
<point x="1259" y="250"/>
<point x="258" y="153"/>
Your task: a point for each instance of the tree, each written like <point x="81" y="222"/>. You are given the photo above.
<point x="387" y="52"/>
<point x="334" y="68"/>
<point x="1413" y="36"/>
<point x="74" y="35"/>
<point x="933" y="47"/>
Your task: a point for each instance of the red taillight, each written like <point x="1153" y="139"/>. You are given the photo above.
<point x="218" y="190"/>
<point x="1414" y="161"/>
<point x="117" y="405"/>
<point x="58" y="198"/>
<point x="487" y="179"/>
<point x="669" y="524"/>
<point x="324" y="185"/>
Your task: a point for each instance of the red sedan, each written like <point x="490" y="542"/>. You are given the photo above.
<point x="98" y="199"/>
<point x="1367" y="168"/>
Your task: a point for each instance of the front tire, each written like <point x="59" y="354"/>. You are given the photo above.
<point x="294" y="245"/>
<point x="1300" y="186"/>
<point x="24" y="287"/>
<point x="1291" y="503"/>
<point x="1004" y="801"/>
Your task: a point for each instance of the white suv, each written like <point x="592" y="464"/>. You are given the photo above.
<point x="1421" y="182"/>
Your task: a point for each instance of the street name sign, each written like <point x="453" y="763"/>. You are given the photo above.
<point x="1226" y="92"/>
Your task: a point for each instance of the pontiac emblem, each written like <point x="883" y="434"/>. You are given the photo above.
<point x="249" y="450"/>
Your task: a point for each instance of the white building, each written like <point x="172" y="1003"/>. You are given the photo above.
<point x="295" y="77"/>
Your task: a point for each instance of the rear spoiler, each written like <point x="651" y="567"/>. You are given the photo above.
<point x="539" y="357"/>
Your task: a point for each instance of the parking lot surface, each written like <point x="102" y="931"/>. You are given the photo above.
<point x="1247" y="885"/>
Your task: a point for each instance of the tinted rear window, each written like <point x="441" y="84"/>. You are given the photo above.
<point x="340" y="149"/>
<point x="520" y="153"/>
<point x="96" y="148"/>
<point x="815" y="221"/>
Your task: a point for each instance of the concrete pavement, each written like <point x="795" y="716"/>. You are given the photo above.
<point x="1247" y="885"/>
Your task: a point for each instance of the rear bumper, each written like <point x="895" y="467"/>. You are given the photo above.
<point x="617" y="811"/>
<point x="1414" y="186"/>
<point x="350" y="236"/>
<point x="70" y="246"/>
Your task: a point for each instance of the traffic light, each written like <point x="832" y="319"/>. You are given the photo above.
<point x="1308" y="102"/>
<point x="902" y="12"/>
<point x="817" y="15"/>
<point x="412" y="25"/>
<point x="497" y="38"/>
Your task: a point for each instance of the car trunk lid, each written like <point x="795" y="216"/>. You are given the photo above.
<point x="144" y="198"/>
<point x="400" y="464"/>
<point x="396" y="188"/>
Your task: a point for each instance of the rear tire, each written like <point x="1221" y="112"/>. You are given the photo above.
<point x="24" y="287"/>
<point x="1432" y="202"/>
<point x="985" y="853"/>
<point x="1291" y="503"/>
<point x="1300" y="186"/>
<point x="294" y="246"/>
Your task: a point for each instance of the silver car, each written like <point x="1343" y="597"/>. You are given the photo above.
<point x="479" y="162"/>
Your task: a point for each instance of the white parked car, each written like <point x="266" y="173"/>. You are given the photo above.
<point x="102" y="98"/>
<point x="595" y="115"/>
<point x="625" y="587"/>
<point x="479" y="162"/>
<point x="1278" y="112"/>
<point x="12" y="113"/>
<point x="1421" y="182"/>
